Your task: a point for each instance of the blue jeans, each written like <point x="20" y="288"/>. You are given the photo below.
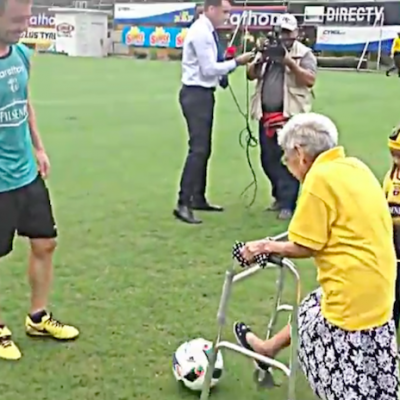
<point x="285" y="187"/>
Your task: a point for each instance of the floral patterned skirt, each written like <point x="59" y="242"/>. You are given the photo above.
<point x="343" y="365"/>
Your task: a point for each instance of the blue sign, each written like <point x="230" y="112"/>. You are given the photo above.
<point x="183" y="14"/>
<point x="158" y="37"/>
<point x="154" y="14"/>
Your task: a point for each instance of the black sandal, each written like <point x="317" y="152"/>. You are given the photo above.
<point x="240" y="330"/>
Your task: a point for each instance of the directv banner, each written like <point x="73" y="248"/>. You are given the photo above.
<point x="348" y="14"/>
<point x="183" y="14"/>
<point x="354" y="39"/>
<point x="159" y="37"/>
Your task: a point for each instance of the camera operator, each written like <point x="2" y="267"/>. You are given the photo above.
<point x="285" y="71"/>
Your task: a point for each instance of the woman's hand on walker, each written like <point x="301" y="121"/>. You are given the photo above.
<point x="254" y="248"/>
<point x="263" y="246"/>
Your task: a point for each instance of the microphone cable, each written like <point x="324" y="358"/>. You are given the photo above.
<point x="247" y="140"/>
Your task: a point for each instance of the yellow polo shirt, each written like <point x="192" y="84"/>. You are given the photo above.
<point x="391" y="187"/>
<point x="342" y="215"/>
<point x="395" y="45"/>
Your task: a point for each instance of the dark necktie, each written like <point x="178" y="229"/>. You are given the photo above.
<point x="223" y="80"/>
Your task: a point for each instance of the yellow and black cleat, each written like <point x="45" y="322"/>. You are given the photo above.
<point x="50" y="327"/>
<point x="8" y="349"/>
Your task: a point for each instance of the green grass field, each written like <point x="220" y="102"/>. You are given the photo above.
<point x="137" y="282"/>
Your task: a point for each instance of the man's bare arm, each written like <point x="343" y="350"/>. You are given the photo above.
<point x="303" y="76"/>
<point x="254" y="68"/>
<point x="289" y="249"/>
<point x="33" y="128"/>
<point x="305" y="71"/>
<point x="253" y="72"/>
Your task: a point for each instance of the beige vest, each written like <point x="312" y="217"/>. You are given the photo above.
<point x="296" y="99"/>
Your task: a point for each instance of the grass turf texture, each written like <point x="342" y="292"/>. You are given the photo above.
<point x="137" y="282"/>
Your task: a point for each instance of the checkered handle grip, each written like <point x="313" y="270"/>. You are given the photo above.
<point x="262" y="259"/>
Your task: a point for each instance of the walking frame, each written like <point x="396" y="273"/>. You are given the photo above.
<point x="263" y="378"/>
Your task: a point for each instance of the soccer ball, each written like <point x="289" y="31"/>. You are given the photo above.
<point x="190" y="363"/>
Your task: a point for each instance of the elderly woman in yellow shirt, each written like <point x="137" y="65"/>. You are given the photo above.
<point x="347" y="341"/>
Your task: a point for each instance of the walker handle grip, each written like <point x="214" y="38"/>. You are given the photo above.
<point x="262" y="259"/>
<point x="275" y="259"/>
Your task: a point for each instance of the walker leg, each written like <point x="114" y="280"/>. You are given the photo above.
<point x="264" y="378"/>
<point x="294" y="334"/>
<point x="205" y="392"/>
<point x="293" y="354"/>
<point x="277" y="302"/>
<point x="221" y="320"/>
<point x="278" y="297"/>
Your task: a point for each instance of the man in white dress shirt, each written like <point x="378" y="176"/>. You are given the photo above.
<point x="203" y="69"/>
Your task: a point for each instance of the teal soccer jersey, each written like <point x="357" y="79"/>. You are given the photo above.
<point x="17" y="161"/>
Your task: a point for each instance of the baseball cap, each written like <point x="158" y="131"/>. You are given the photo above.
<point x="288" y="22"/>
<point x="394" y="139"/>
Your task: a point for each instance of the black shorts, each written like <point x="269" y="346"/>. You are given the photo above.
<point x="26" y="211"/>
<point x="396" y="59"/>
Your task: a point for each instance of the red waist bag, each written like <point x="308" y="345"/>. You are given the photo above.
<point x="272" y="122"/>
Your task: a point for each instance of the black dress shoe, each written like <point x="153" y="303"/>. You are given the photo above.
<point x="204" y="206"/>
<point x="185" y="214"/>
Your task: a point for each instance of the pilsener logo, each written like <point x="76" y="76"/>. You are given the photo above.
<point x="14" y="114"/>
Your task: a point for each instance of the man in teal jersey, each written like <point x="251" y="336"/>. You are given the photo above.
<point x="25" y="206"/>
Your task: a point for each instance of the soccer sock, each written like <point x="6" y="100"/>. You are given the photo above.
<point x="37" y="317"/>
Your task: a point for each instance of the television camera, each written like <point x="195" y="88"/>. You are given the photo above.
<point x="273" y="46"/>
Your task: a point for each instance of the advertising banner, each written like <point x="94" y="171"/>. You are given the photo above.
<point x="255" y="17"/>
<point x="348" y="14"/>
<point x="41" y="16"/>
<point x="41" y="31"/>
<point x="354" y="39"/>
<point x="183" y="13"/>
<point x="159" y="37"/>
<point x="154" y="14"/>
<point x="38" y="35"/>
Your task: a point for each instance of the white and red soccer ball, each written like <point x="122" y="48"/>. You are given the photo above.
<point x="190" y="363"/>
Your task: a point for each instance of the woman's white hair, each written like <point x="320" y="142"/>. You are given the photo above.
<point x="315" y="133"/>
